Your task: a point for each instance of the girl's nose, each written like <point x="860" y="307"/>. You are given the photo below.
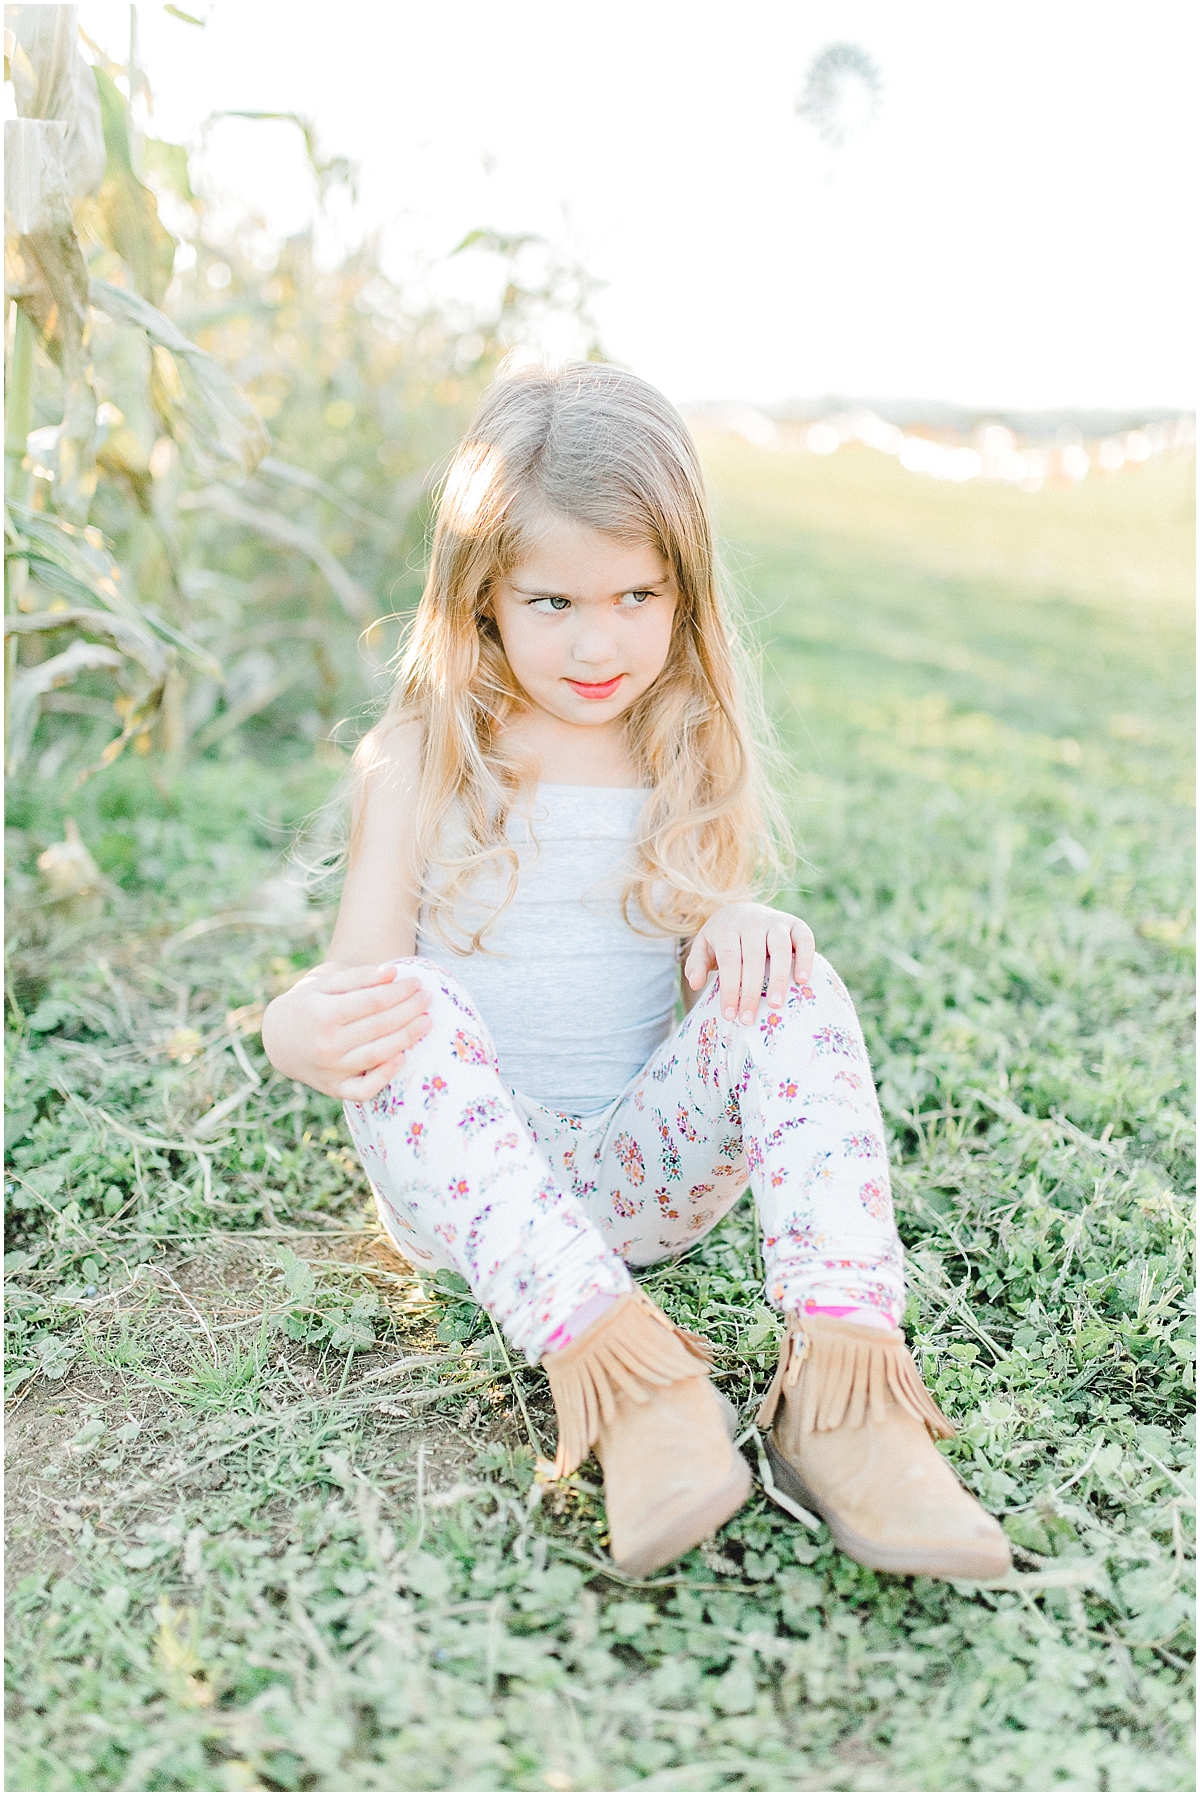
<point x="594" y="648"/>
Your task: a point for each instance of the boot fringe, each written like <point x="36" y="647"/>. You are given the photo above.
<point x="849" y="1378"/>
<point x="631" y="1347"/>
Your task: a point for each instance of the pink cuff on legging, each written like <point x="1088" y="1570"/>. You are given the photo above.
<point x="869" y="1318"/>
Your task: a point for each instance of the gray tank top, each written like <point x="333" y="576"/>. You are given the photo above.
<point x="576" y="1000"/>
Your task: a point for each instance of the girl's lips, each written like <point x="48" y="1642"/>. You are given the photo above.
<point x="605" y="689"/>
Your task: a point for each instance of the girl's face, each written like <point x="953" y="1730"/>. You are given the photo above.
<point x="585" y="620"/>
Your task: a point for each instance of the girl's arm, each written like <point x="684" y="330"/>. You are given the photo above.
<point x="743" y="942"/>
<point x="377" y="916"/>
<point x="345" y="1026"/>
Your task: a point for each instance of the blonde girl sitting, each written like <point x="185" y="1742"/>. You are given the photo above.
<point x="561" y="809"/>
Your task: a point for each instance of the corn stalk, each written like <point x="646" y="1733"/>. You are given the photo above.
<point x="69" y="164"/>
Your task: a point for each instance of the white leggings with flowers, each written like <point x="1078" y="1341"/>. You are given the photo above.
<point x="541" y="1212"/>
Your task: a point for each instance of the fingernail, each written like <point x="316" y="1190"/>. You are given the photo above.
<point x="730" y="1012"/>
<point x="747" y="1016"/>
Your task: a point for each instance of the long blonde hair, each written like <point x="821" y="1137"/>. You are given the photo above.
<point x="596" y="445"/>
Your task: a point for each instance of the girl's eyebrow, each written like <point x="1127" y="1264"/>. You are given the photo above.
<point x="556" y="592"/>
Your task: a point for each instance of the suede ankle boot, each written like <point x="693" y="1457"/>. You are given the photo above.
<point x="851" y="1422"/>
<point x="636" y="1389"/>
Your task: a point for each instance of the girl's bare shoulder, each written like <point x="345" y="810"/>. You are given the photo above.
<point x="390" y="751"/>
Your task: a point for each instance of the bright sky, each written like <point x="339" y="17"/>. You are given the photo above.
<point x="1011" y="230"/>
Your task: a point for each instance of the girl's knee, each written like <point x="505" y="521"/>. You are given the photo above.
<point x="826" y="983"/>
<point x="822" y="986"/>
<point x="456" y="1027"/>
<point x="443" y="987"/>
<point x="418" y="964"/>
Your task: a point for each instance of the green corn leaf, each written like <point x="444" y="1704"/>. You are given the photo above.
<point x="169" y="161"/>
<point x="128" y="208"/>
<point x="76" y="565"/>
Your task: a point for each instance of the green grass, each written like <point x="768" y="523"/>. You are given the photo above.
<point x="272" y="1508"/>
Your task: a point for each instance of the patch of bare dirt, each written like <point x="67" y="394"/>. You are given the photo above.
<point x="103" y="1449"/>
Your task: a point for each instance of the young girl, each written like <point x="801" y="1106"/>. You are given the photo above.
<point x="562" y="808"/>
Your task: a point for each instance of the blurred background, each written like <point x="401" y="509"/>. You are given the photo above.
<point x="824" y="199"/>
<point x="934" y="247"/>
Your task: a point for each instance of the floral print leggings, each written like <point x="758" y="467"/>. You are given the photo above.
<point x="540" y="1212"/>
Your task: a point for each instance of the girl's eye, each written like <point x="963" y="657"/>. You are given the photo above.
<point x="547" y="605"/>
<point x="631" y="600"/>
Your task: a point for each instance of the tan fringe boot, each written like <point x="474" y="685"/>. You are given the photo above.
<point x="636" y="1389"/>
<point x="852" y="1422"/>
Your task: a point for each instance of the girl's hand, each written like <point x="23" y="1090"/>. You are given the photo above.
<point x="741" y="940"/>
<point x="346" y="1030"/>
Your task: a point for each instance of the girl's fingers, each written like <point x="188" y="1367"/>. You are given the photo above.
<point x="741" y="956"/>
<point x="366" y="1086"/>
<point x="780" y="953"/>
<point x="729" y="969"/>
<point x="371" y="1054"/>
<point x="370" y="1000"/>
<point x="804" y="943"/>
<point x="378" y="1024"/>
<point x="698" y="963"/>
<point x="352" y="979"/>
<point x="754" y="962"/>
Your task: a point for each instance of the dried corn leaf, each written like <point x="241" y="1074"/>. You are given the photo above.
<point x="35" y="177"/>
<point x="54" y="155"/>
<point x="48" y="163"/>
<point x="52" y="81"/>
<point x="46" y="274"/>
<point x="133" y="642"/>
<point x="138" y="644"/>
<point x="203" y="407"/>
<point x="27" y="686"/>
